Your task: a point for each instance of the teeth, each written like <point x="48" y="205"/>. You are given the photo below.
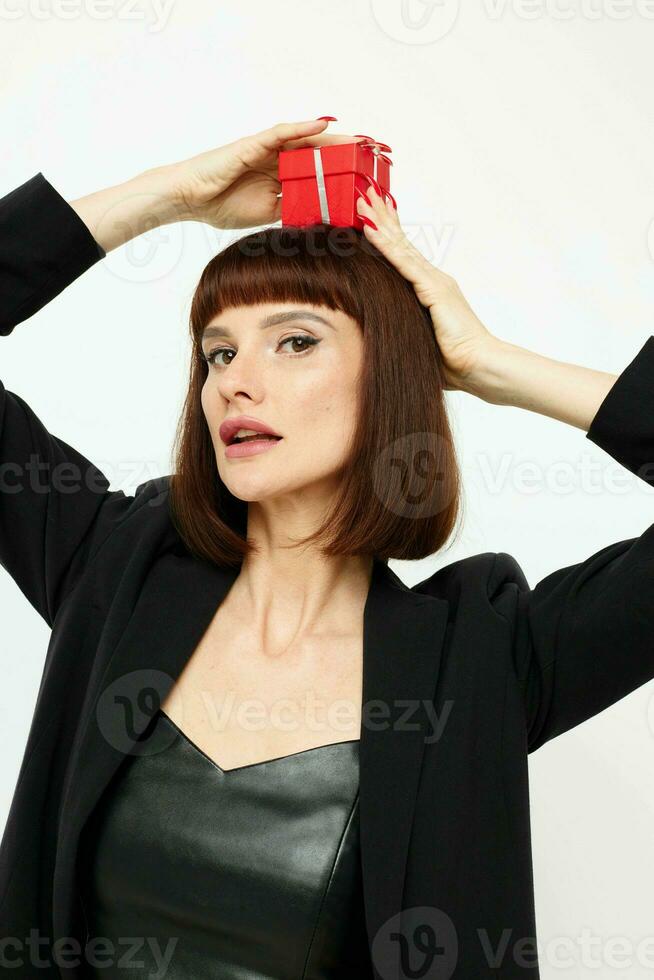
<point x="243" y="434"/>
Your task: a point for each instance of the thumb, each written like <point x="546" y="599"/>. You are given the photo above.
<point x="255" y="149"/>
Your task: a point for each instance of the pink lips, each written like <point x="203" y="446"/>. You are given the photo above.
<point x="252" y="448"/>
<point x="230" y="426"/>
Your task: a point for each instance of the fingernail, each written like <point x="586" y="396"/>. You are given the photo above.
<point x="367" y="221"/>
<point x="373" y="183"/>
<point x="386" y="159"/>
<point x="393" y="201"/>
<point x="363" y="195"/>
<point x="328" y="118"/>
<point x="363" y="136"/>
<point x="385" y="146"/>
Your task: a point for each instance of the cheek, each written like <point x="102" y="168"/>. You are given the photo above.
<point x="327" y="406"/>
<point x="209" y="410"/>
<point x="204" y="401"/>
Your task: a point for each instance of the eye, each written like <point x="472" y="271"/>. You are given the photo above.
<point x="209" y="358"/>
<point x="304" y="339"/>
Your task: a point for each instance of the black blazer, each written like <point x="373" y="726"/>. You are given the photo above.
<point x="464" y="674"/>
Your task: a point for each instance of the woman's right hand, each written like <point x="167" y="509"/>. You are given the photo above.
<point x="236" y="185"/>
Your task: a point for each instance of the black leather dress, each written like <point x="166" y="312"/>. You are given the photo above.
<point x="189" y="871"/>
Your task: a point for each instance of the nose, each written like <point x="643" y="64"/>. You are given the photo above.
<point x="242" y="376"/>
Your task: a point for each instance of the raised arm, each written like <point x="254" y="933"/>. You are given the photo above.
<point x="41" y="250"/>
<point x="55" y="505"/>
<point x="115" y="215"/>
<point x="583" y="637"/>
<point x="56" y="508"/>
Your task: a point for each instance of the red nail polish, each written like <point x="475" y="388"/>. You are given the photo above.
<point x="373" y="183"/>
<point x="386" y="159"/>
<point x="363" y="195"/>
<point x="363" y="136"/>
<point x="385" y="147"/>
<point x="328" y="118"/>
<point x="393" y="201"/>
<point x="367" y="221"/>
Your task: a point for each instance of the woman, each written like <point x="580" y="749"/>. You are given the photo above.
<point x="156" y="830"/>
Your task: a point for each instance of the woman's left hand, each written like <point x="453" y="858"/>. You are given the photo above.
<point x="462" y="338"/>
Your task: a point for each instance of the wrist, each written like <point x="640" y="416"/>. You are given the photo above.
<point x="117" y="214"/>
<point x="492" y="371"/>
<point x="162" y="186"/>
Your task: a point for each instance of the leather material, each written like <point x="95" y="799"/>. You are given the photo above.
<point x="251" y="872"/>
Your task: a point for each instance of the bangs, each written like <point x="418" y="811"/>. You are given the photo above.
<point x="319" y="266"/>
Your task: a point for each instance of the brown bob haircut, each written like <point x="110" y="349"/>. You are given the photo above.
<point x="400" y="490"/>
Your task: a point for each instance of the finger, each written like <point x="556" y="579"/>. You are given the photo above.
<point x="282" y="133"/>
<point x="390" y="239"/>
<point x="321" y="139"/>
<point x="250" y="151"/>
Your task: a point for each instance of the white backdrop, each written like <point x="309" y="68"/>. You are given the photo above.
<point x="523" y="151"/>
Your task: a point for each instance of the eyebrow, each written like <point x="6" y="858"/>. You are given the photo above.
<point x="273" y="320"/>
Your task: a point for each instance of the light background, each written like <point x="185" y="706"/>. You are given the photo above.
<point x="523" y="148"/>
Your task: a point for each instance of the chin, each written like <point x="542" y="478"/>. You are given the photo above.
<point x="253" y="487"/>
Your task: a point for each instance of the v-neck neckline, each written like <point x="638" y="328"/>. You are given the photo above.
<point x="250" y="765"/>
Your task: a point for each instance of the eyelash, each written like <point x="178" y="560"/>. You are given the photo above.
<point x="311" y="341"/>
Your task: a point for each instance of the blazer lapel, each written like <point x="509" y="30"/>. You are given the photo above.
<point x="403" y="633"/>
<point x="403" y="638"/>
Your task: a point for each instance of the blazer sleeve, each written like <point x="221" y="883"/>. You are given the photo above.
<point x="55" y="506"/>
<point x="583" y="638"/>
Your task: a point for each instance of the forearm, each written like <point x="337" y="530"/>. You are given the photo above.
<point x="512" y="375"/>
<point x="117" y="214"/>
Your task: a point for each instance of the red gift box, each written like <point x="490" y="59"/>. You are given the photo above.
<point x="318" y="183"/>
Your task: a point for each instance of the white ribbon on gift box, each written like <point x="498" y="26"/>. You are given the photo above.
<point x="322" y="190"/>
<point x="320" y="180"/>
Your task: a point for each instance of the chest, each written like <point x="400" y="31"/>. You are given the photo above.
<point x="241" y="705"/>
